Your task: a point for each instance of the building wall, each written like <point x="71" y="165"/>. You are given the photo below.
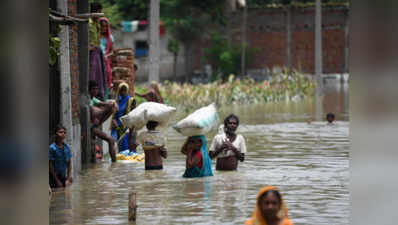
<point x="75" y="132"/>
<point x="128" y="39"/>
<point x="74" y="62"/>
<point x="122" y="63"/>
<point x="266" y="30"/>
<point x="76" y="150"/>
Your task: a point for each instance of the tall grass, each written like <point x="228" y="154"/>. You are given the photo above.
<point x="281" y="87"/>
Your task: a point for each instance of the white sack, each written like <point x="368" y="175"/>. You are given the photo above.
<point x="199" y="122"/>
<point x="147" y="111"/>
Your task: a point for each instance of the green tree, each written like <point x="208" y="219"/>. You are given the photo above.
<point x="111" y="11"/>
<point x="254" y="3"/>
<point x="224" y="58"/>
<point x="133" y="9"/>
<point x="173" y="46"/>
<point x="187" y="19"/>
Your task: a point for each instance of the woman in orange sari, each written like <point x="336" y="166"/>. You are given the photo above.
<point x="270" y="208"/>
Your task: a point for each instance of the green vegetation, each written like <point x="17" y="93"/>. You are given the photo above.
<point x="293" y="3"/>
<point x="112" y="12"/>
<point x="186" y="21"/>
<point x="140" y="90"/>
<point x="225" y="59"/>
<point x="177" y="13"/>
<point x="280" y="87"/>
<point x="53" y="49"/>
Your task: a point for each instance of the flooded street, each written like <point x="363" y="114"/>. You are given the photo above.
<point x="308" y="162"/>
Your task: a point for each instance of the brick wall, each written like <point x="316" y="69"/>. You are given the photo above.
<point x="123" y="68"/>
<point x="74" y="62"/>
<point x="266" y="30"/>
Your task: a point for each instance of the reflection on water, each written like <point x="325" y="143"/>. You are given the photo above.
<point x="308" y="162"/>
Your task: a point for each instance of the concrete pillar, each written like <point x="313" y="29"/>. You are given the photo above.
<point x="87" y="153"/>
<point x="66" y="91"/>
<point x="66" y="102"/>
<point x="154" y="52"/>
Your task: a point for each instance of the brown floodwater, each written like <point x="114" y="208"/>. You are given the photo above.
<point x="308" y="162"/>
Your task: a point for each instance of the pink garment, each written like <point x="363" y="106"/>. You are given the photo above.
<point x="108" y="49"/>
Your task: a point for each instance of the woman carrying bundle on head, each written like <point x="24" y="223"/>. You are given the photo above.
<point x="198" y="162"/>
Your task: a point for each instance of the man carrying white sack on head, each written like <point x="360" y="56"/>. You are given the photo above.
<point x="154" y="144"/>
<point x="154" y="116"/>
<point x="228" y="147"/>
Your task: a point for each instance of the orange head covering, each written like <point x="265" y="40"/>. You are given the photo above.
<point x="257" y="217"/>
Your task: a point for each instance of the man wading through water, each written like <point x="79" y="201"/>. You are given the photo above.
<point x="154" y="144"/>
<point x="228" y="147"/>
<point x="59" y="160"/>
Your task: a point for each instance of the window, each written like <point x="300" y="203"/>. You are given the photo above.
<point x="141" y="49"/>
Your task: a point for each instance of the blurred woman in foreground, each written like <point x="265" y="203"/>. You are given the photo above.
<point x="270" y="208"/>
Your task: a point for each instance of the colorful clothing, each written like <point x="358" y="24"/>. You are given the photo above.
<point x="104" y="43"/>
<point x="130" y="26"/>
<point x="124" y="143"/>
<point x="94" y="101"/>
<point x="239" y="143"/>
<point x="258" y="219"/>
<point x="106" y="47"/>
<point x="125" y="106"/>
<point x="153" y="95"/>
<point x="97" y="70"/>
<point x="199" y="154"/>
<point x="60" y="157"/>
<point x="206" y="169"/>
<point x="94" y="32"/>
